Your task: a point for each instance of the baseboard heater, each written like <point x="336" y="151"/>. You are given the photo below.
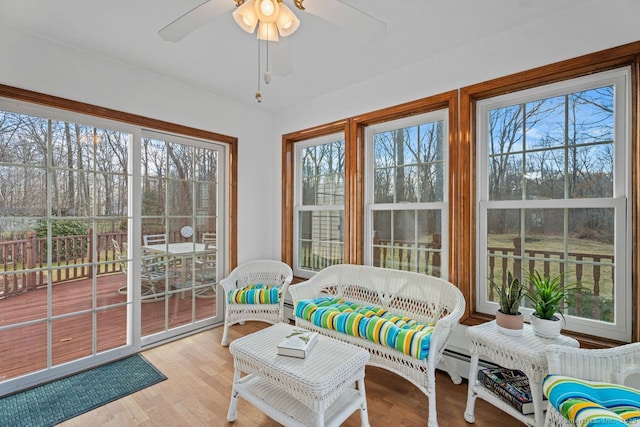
<point x="467" y="359"/>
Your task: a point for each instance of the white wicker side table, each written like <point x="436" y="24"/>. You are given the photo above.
<point x="525" y="353"/>
<point x="316" y="391"/>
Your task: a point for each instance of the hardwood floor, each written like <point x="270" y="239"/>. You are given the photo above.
<point x="197" y="393"/>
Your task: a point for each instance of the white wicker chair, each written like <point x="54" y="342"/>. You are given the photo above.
<point x="266" y="272"/>
<point x="612" y="365"/>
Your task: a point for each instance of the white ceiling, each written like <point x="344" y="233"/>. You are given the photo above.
<point x="221" y="58"/>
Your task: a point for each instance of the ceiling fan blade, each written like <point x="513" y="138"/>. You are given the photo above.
<point x="347" y="17"/>
<point x="281" y="57"/>
<point x="195" y="18"/>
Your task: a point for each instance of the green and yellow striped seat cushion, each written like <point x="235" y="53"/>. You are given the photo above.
<point x="591" y="403"/>
<point x="255" y="294"/>
<point x="373" y="323"/>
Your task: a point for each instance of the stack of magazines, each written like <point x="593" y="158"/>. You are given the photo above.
<point x="511" y="385"/>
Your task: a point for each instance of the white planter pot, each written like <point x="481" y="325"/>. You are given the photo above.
<point x="546" y="328"/>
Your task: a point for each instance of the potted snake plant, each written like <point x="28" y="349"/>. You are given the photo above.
<point x="509" y="319"/>
<point x="548" y="297"/>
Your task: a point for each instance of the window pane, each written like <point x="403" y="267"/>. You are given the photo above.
<point x="111" y="150"/>
<point x="323" y="174"/>
<point x="408" y="240"/>
<point x="553" y="148"/>
<point x="321" y="239"/>
<point x="23" y="191"/>
<point x="408" y="164"/>
<point x="576" y="242"/>
<point x="180" y="160"/>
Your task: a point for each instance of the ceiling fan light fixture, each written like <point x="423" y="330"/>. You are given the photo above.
<point x="287" y="22"/>
<point x="246" y="16"/>
<point x="267" y="10"/>
<point x="268" y="31"/>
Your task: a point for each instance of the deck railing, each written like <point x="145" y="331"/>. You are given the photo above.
<point x="593" y="275"/>
<point x="423" y="257"/>
<point x="23" y="262"/>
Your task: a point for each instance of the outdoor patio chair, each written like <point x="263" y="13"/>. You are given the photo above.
<point x="154" y="239"/>
<point x="119" y="255"/>
<point x="209" y="238"/>
<point x="122" y="261"/>
<point x="153" y="282"/>
<point x="255" y="291"/>
<point x="206" y="270"/>
<point x="582" y="382"/>
<point x="152" y="275"/>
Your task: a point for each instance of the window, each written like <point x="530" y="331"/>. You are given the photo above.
<point x="553" y="189"/>
<point x="406" y="194"/>
<point x="319" y="204"/>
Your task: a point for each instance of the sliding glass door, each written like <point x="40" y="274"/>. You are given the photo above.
<point x="179" y="233"/>
<point x="82" y="280"/>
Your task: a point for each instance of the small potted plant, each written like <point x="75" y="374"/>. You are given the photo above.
<point x="509" y="320"/>
<point x="548" y="297"/>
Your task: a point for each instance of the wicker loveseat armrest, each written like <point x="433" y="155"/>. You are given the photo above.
<point x="303" y="290"/>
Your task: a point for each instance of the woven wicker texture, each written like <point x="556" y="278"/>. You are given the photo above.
<point x="266" y="272"/>
<point x="426" y="299"/>
<point x="612" y="365"/>
<point x="525" y="353"/>
<point x="326" y="376"/>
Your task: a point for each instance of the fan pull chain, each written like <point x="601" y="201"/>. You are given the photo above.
<point x="258" y="92"/>
<point x="267" y="74"/>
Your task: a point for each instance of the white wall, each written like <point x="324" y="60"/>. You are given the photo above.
<point x="36" y="64"/>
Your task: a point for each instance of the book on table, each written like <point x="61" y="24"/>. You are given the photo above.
<point x="298" y="343"/>
<point x="511" y="385"/>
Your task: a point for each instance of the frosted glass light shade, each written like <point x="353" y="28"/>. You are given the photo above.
<point x="287" y="22"/>
<point x="246" y="17"/>
<point x="268" y="31"/>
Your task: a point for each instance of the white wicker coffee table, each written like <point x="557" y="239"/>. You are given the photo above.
<point x="525" y="353"/>
<point x="319" y="390"/>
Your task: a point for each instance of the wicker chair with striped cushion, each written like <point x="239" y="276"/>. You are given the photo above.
<point x="255" y="291"/>
<point x="588" y="387"/>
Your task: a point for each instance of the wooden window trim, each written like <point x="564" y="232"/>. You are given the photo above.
<point x="288" y="177"/>
<point x="353" y="129"/>
<point x="24" y="95"/>
<point x="626" y="55"/>
<point x="447" y="100"/>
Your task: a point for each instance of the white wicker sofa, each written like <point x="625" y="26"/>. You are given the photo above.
<point x="423" y="298"/>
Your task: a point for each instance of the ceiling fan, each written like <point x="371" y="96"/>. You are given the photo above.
<point x="333" y="11"/>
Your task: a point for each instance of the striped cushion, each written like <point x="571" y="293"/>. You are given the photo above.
<point x="255" y="294"/>
<point x="373" y="323"/>
<point x="591" y="403"/>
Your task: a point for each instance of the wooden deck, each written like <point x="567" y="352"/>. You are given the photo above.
<point x="23" y="349"/>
